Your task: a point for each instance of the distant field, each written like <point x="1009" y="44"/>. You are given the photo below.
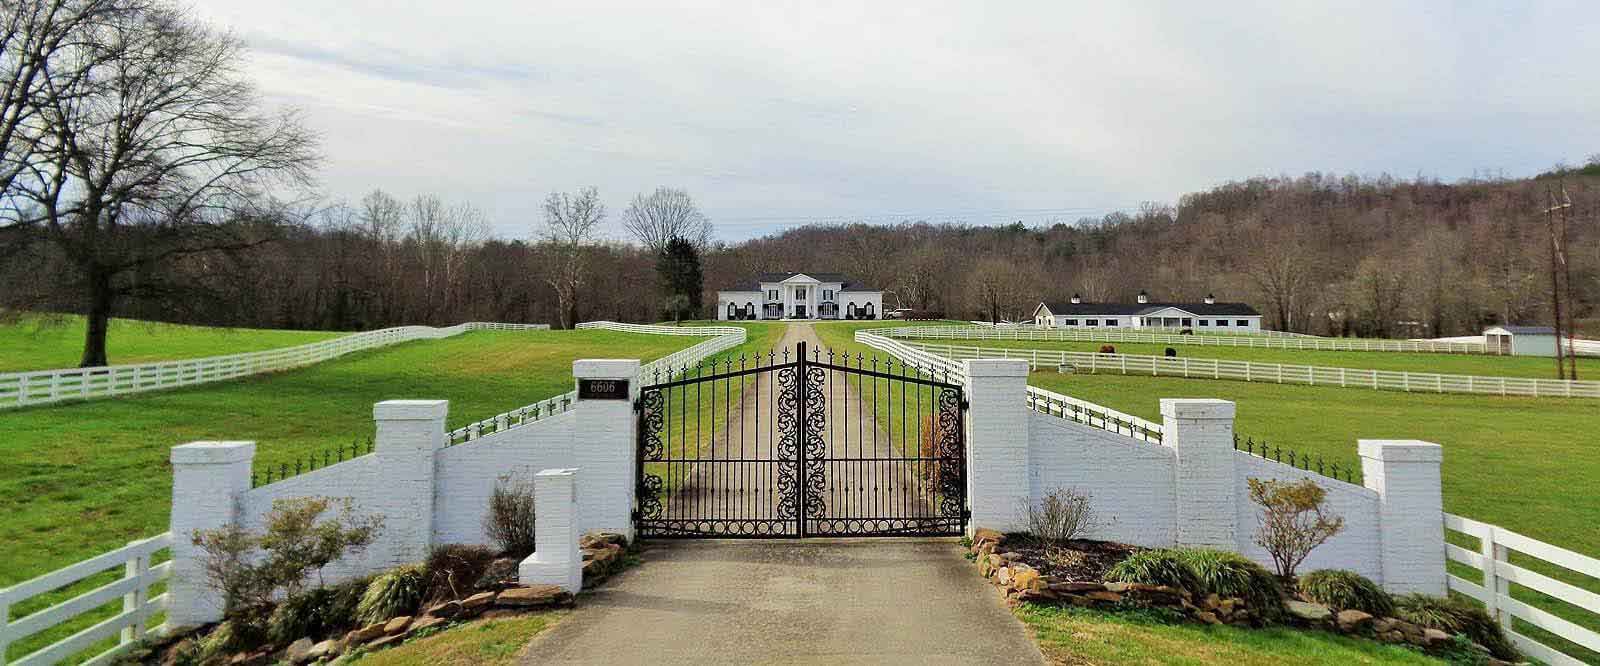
<point x="49" y="342"/>
<point x="78" y="479"/>
<point x="1455" y="364"/>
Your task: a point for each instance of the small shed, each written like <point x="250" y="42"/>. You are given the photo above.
<point x="1521" y="340"/>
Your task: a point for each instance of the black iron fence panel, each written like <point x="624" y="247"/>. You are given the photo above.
<point x="808" y="444"/>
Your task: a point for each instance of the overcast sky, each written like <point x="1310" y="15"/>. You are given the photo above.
<point x="981" y="112"/>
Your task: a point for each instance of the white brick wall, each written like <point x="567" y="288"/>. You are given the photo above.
<point x="1356" y="548"/>
<point x="208" y="480"/>
<point x="468" y="472"/>
<point x="1129" y="481"/>
<point x="410" y="435"/>
<point x="604" y="444"/>
<point x="1405" y="474"/>
<point x="556" y="560"/>
<point x="1200" y="432"/>
<point x="997" y="442"/>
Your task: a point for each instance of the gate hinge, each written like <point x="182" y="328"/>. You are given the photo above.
<point x="635" y="515"/>
<point x="966" y="514"/>
<point x="965" y="404"/>
<point x="638" y="404"/>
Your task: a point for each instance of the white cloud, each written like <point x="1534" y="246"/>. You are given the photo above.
<point x="772" y="114"/>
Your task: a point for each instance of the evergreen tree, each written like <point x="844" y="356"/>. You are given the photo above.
<point x="678" y="269"/>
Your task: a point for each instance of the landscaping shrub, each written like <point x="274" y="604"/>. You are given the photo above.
<point x="250" y="570"/>
<point x="317" y="613"/>
<point x="1156" y="567"/>
<point x="398" y="591"/>
<point x="1346" y="590"/>
<point x="509" y="522"/>
<point x="454" y="568"/>
<point x="1292" y="520"/>
<point x="1456" y="616"/>
<point x="1229" y="574"/>
<point x="1062" y="514"/>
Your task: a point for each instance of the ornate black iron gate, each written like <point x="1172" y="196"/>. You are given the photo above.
<point x="801" y="446"/>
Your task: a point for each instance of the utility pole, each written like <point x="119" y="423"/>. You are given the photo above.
<point x="1566" y="279"/>
<point x="1557" y="269"/>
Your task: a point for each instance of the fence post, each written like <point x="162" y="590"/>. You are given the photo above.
<point x="555" y="560"/>
<point x="1493" y="554"/>
<point x="409" y="435"/>
<point x="208" y="482"/>
<point x="1405" y="473"/>
<point x="1200" y="431"/>
<point x="997" y="442"/>
<point x="604" y="444"/>
<point x="135" y="599"/>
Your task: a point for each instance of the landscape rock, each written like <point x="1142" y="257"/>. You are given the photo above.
<point x="1383" y="625"/>
<point x="326" y="649"/>
<point x="1105" y="596"/>
<point x="1208" y="617"/>
<point x="364" y="634"/>
<point x="1003" y="576"/>
<point x="397" y="625"/>
<point x="427" y="623"/>
<point x="602" y="539"/>
<point x="533" y="597"/>
<point x="478" y="601"/>
<point x="299" y="652"/>
<point x="1309" y="612"/>
<point x="445" y="609"/>
<point x="1353" y="620"/>
<point x="984" y="534"/>
<point x="1079" y="587"/>
<point x="386" y="641"/>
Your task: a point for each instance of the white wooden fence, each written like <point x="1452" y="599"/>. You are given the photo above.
<point x="1266" y="341"/>
<point x="39" y="387"/>
<point x="1249" y="371"/>
<point x="128" y="626"/>
<point x="1492" y="559"/>
<point x="726" y="337"/>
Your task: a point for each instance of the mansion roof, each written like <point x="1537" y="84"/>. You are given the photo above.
<point x="845" y="283"/>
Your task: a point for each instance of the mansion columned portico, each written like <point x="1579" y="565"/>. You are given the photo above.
<point x="799" y="296"/>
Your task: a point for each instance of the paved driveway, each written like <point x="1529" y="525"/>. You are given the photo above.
<point x="874" y="601"/>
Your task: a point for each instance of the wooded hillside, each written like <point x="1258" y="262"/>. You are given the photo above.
<point x="1317" y="253"/>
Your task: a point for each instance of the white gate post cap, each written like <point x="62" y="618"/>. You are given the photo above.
<point x="212" y="453"/>
<point x="605" y="368"/>
<point x="1400" y="450"/>
<point x="1197" y="408"/>
<point x="410" y="410"/>
<point x="997" y="367"/>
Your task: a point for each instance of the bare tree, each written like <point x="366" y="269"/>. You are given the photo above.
<point x="657" y="218"/>
<point x="569" y="225"/>
<point x="153" y="152"/>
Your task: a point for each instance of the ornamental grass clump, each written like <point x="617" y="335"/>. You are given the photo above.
<point x="509" y="522"/>
<point x="1346" y="590"/>
<point x="1455" y="615"/>
<point x="1156" y="567"/>
<point x="1231" y="575"/>
<point x="453" y="568"/>
<point x="398" y="591"/>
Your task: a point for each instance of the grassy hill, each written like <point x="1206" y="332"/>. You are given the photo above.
<point x="48" y="342"/>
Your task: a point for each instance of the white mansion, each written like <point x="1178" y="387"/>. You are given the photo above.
<point x="1209" y="315"/>
<point x="800" y="296"/>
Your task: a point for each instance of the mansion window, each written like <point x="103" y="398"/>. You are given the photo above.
<point x="772" y="294"/>
<point x="827" y="294"/>
<point x="800" y="293"/>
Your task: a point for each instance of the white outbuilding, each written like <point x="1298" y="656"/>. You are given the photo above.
<point x="1521" y="340"/>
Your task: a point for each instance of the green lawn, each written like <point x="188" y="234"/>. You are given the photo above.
<point x="78" y="479"/>
<point x="1073" y="636"/>
<point x="48" y="342"/>
<point x="491" y="642"/>
<point x="1454" y="364"/>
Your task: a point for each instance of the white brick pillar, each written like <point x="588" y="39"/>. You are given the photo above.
<point x="997" y="443"/>
<point x="556" y="559"/>
<point x="1200" y="431"/>
<point x="604" y="446"/>
<point x="1405" y="473"/>
<point x="410" y="434"/>
<point x="208" y="480"/>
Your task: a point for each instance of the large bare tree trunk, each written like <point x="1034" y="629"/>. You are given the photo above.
<point x="101" y="299"/>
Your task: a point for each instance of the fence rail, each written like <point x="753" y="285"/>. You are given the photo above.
<point x="40" y="387"/>
<point x="1499" y="574"/>
<point x="722" y="339"/>
<point x="1091" y="414"/>
<point x="128" y="626"/>
<point x="1250" y="371"/>
<point x="1212" y="340"/>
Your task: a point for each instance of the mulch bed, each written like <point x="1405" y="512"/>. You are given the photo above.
<point x="1077" y="560"/>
